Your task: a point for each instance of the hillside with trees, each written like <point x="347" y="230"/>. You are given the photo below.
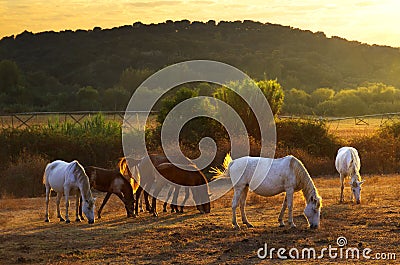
<point x="99" y="69"/>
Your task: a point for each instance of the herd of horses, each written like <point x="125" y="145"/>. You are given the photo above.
<point x="264" y="176"/>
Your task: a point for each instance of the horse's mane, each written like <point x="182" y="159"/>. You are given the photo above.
<point x="125" y="171"/>
<point x="79" y="171"/>
<point x="307" y="185"/>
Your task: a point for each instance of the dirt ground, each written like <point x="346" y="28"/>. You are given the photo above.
<point x="192" y="238"/>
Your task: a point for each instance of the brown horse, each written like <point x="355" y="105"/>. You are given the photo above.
<point x="145" y="168"/>
<point x="134" y="179"/>
<point x="112" y="182"/>
<point x="191" y="177"/>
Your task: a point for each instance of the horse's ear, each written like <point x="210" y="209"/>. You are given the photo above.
<point x="361" y="182"/>
<point x="210" y="194"/>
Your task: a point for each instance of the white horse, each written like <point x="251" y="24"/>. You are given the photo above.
<point x="68" y="178"/>
<point x="348" y="165"/>
<point x="285" y="174"/>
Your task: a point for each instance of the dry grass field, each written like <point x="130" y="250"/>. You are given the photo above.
<point x="192" y="238"/>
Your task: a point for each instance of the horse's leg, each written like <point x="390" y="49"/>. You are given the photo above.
<point x="78" y="195"/>
<point x="236" y="197"/>
<point x="66" y="194"/>
<point x="122" y="198"/>
<point x="289" y="199"/>
<point x="175" y="200"/>
<point x="282" y="213"/>
<point x="47" y="204"/>
<point x="146" y="201"/>
<point x="138" y="192"/>
<point x="80" y="208"/>
<point x="242" y="204"/>
<point x="341" y="188"/>
<point x="166" y="200"/>
<point x="185" y="199"/>
<point x="154" y="201"/>
<point x="59" y="195"/>
<point x="106" y="198"/>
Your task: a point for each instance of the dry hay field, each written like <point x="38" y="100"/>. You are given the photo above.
<point x="192" y="238"/>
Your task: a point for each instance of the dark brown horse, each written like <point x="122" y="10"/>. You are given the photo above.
<point x="124" y="164"/>
<point x="112" y="182"/>
<point x="145" y="168"/>
<point x="191" y="177"/>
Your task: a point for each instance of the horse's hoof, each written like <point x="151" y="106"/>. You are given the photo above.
<point x="155" y="214"/>
<point x="281" y="225"/>
<point x="164" y="210"/>
<point x="47" y="220"/>
<point x="77" y="220"/>
<point x="62" y="219"/>
<point x="236" y="227"/>
<point x="68" y="221"/>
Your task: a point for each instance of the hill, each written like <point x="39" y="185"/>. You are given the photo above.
<point x="59" y="62"/>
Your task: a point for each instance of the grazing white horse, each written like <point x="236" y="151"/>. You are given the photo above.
<point x="285" y="174"/>
<point x="65" y="179"/>
<point x="348" y="165"/>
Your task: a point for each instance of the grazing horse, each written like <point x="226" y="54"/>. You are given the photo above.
<point x="68" y="178"/>
<point x="191" y="177"/>
<point x="112" y="182"/>
<point x="268" y="177"/>
<point x="145" y="167"/>
<point x="348" y="165"/>
<point x="134" y="179"/>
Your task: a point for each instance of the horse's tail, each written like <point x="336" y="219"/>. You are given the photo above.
<point x="218" y="173"/>
<point x="45" y="182"/>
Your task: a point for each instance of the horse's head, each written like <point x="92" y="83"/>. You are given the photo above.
<point x="313" y="211"/>
<point x="130" y="207"/>
<point x="356" y="190"/>
<point x="88" y="209"/>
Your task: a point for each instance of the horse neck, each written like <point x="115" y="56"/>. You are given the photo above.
<point x="305" y="182"/>
<point x="127" y="188"/>
<point x="84" y="187"/>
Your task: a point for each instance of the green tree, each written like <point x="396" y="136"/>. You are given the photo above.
<point x="131" y="78"/>
<point x="271" y="89"/>
<point x="9" y="76"/>
<point x="115" y="98"/>
<point x="88" y="98"/>
<point x="320" y="95"/>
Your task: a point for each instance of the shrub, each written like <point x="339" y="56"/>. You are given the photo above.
<point x="23" y="178"/>
<point x="309" y="135"/>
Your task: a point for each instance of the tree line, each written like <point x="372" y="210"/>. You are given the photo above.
<point x="369" y="98"/>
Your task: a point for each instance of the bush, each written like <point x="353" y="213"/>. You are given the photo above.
<point x="309" y="135"/>
<point x="95" y="142"/>
<point x="23" y="178"/>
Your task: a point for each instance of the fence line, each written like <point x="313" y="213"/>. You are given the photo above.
<point x="30" y="119"/>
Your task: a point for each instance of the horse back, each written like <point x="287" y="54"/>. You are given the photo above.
<point x="347" y="160"/>
<point x="56" y="174"/>
<point x="191" y="177"/>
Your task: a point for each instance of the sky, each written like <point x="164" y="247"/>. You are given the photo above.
<point x="367" y="21"/>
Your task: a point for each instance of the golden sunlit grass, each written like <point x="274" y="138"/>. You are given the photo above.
<point x="348" y="129"/>
<point x="191" y="238"/>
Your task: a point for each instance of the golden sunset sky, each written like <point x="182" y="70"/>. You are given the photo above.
<point x="369" y="21"/>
